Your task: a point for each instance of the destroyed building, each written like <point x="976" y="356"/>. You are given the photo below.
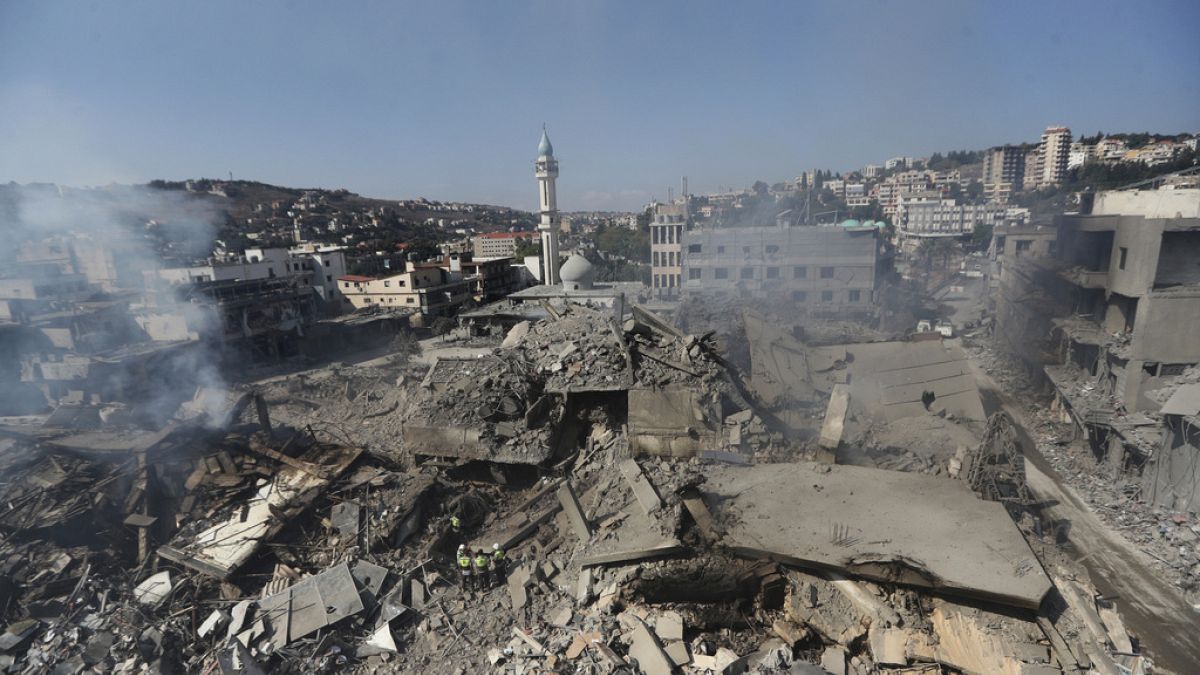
<point x="655" y="514"/>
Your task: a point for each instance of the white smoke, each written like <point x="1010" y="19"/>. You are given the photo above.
<point x="119" y="236"/>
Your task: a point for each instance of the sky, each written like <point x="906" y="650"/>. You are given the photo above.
<point x="446" y="99"/>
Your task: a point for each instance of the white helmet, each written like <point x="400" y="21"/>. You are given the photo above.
<point x="495" y="547"/>
<point x="462" y="547"/>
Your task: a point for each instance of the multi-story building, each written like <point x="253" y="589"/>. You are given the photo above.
<point x="946" y="218"/>
<point x="312" y="265"/>
<point x="1053" y="153"/>
<point x="1003" y="171"/>
<point x="1033" y="169"/>
<point x="489" y="278"/>
<point x="898" y="163"/>
<point x="500" y="244"/>
<point x="1111" y="148"/>
<point x="1081" y="153"/>
<point x="667" y="226"/>
<point x="820" y="269"/>
<point x="432" y="290"/>
<point x="1123" y="293"/>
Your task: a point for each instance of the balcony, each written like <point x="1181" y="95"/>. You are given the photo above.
<point x="1085" y="278"/>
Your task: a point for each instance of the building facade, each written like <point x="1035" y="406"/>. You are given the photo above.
<point x="667" y="225"/>
<point x="946" y="217"/>
<point x="499" y="244"/>
<point x="1003" y="171"/>
<point x="821" y="269"/>
<point x="431" y="290"/>
<point x="1054" y="152"/>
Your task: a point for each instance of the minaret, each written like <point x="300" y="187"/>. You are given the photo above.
<point x="546" y="170"/>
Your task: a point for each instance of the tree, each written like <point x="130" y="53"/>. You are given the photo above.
<point x="760" y="188"/>
<point x="527" y="247"/>
<point x="974" y="190"/>
<point x="442" y="325"/>
<point x="981" y="236"/>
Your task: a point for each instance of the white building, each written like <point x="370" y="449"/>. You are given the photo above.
<point x="310" y="264"/>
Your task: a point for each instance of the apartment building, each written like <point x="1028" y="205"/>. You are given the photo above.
<point x="1053" y="154"/>
<point x="500" y="244"/>
<point x="668" y="224"/>
<point x="432" y="290"/>
<point x="1003" y="172"/>
<point x="823" y="269"/>
<point x="312" y="265"/>
<point x="945" y="217"/>
<point x="489" y="279"/>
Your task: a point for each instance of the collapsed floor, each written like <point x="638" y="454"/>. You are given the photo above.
<point x="657" y="515"/>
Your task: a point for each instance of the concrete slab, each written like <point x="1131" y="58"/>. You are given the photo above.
<point x="835" y="417"/>
<point x="646" y="496"/>
<point x="570" y="505"/>
<point x="883" y="525"/>
<point x="645" y="648"/>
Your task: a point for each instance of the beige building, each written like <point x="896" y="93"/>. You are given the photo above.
<point x="500" y="244"/>
<point x="1003" y="171"/>
<point x="666" y="248"/>
<point x="432" y="290"/>
<point x="1053" y="154"/>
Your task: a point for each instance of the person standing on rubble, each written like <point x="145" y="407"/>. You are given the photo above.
<point x="455" y="528"/>
<point x="498" y="562"/>
<point x="481" y="570"/>
<point x="464" y="565"/>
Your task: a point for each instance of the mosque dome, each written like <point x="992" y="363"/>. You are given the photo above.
<point x="544" y="147"/>
<point x="577" y="273"/>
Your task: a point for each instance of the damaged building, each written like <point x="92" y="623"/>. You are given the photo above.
<point x="656" y="512"/>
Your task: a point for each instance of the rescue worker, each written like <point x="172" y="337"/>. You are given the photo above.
<point x="498" y="563"/>
<point x="464" y="565"/>
<point x="481" y="570"/>
<point x="455" y="526"/>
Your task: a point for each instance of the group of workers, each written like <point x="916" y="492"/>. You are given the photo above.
<point x="480" y="570"/>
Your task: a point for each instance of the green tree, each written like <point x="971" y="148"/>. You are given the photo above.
<point x="981" y="236"/>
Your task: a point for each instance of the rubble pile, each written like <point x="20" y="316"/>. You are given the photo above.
<point x="323" y="534"/>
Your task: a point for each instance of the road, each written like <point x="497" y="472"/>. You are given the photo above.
<point x="1152" y="608"/>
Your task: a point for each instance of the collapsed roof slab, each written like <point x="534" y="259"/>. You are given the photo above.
<point x="881" y="525"/>
<point x="890" y="380"/>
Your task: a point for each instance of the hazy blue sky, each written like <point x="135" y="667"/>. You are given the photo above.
<point x="446" y="99"/>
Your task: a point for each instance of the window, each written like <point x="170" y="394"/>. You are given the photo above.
<point x="328" y="278"/>
<point x="694" y="248"/>
<point x="720" y="249"/>
<point x="799" y="296"/>
<point x="410" y="300"/>
<point x="387" y="284"/>
<point x="772" y="249"/>
<point x="1124" y="255"/>
<point x="746" y="250"/>
<point x="855" y="296"/>
<point x="1024" y="245"/>
<point x="345" y="284"/>
<point x="772" y="272"/>
<point x="747" y="272"/>
<point x="799" y="272"/>
<point x="721" y="273"/>
<point x="694" y="273"/>
<point x="826" y="296"/>
<point x="654" y="235"/>
<point x="826" y="272"/>
<point x="655" y="261"/>
<point x="327" y="263"/>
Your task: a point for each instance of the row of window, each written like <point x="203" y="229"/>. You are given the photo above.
<point x="667" y="258"/>
<point x="800" y="272"/>
<point x="666" y="235"/>
<point x="666" y="280"/>
<point x="769" y="249"/>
